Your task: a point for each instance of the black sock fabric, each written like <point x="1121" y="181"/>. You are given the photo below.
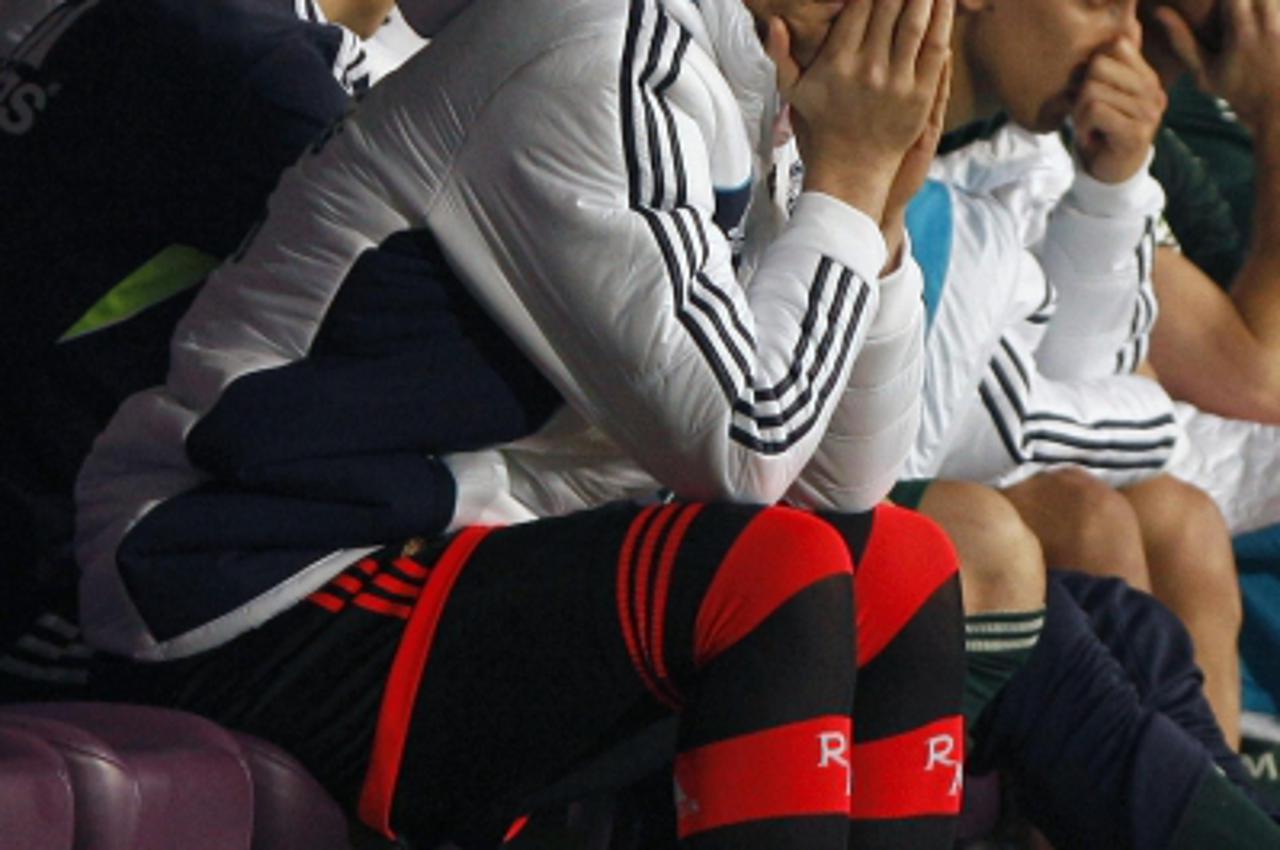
<point x="908" y="727"/>
<point x="563" y="638"/>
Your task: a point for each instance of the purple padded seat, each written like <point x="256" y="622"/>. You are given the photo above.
<point x="291" y="810"/>
<point x="196" y="791"/>
<point x="107" y="799"/>
<point x="36" y="800"/>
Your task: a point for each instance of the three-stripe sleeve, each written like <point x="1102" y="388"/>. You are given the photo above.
<point x="874" y="425"/>
<point x="1120" y="427"/>
<point x="602" y="224"/>
<point x="1098" y="253"/>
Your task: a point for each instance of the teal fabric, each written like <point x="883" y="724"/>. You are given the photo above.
<point x="1258" y="559"/>
<point x="931" y="224"/>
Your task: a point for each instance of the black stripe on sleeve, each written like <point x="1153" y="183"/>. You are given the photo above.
<point x="1098" y="443"/>
<point x="724" y="338"/>
<point x="824" y="346"/>
<point x="626" y="94"/>
<point x="1098" y="463"/>
<point x="677" y="60"/>
<point x="1017" y="362"/>
<point x="799" y="432"/>
<point x="816" y="292"/>
<point x="1002" y="428"/>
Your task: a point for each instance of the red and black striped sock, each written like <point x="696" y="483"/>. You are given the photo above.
<point x="908" y="750"/>
<point x="764" y="746"/>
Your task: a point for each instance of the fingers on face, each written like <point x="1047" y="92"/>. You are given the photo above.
<point x="1099" y="118"/>
<point x="1241" y="24"/>
<point x="778" y="46"/>
<point x="1124" y="68"/>
<point x="938" y="115"/>
<point x="900" y="43"/>
<point x="1144" y="112"/>
<point x="878" y="46"/>
<point x="890" y="39"/>
<point x="1182" y="40"/>
<point x="848" y="32"/>
<point x="1269" y="19"/>
<point x="935" y="53"/>
<point x="909" y="35"/>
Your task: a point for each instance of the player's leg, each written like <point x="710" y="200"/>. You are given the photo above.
<point x="907" y="753"/>
<point x="1083" y="524"/>
<point x="1002" y="572"/>
<point x="1096" y="766"/>
<point x="1193" y="571"/>
<point x="564" y="636"/>
<point x="908" y="727"/>
<point x="1159" y="527"/>
<point x="480" y="670"/>
<point x="1155" y="651"/>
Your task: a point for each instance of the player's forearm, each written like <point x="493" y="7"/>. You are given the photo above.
<point x="1204" y="352"/>
<point x="1256" y="290"/>
<point x="873" y="428"/>
<point x="1096" y="252"/>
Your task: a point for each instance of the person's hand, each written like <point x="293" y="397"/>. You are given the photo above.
<point x="913" y="171"/>
<point x="1246" y="71"/>
<point x="1117" y="112"/>
<point x="865" y="98"/>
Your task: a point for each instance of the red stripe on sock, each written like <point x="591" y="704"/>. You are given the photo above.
<point x="327" y="601"/>
<point x="515" y="829"/>
<point x="661" y="592"/>
<point x="780" y="552"/>
<point x="410" y="567"/>
<point x="918" y="773"/>
<point x="642" y="604"/>
<point x="396" y="712"/>
<point x="378" y="605"/>
<point x="391" y="584"/>
<point x="630" y="629"/>
<point x="348" y="582"/>
<point x="801" y="769"/>
<point x="368" y="566"/>
<point x="907" y="558"/>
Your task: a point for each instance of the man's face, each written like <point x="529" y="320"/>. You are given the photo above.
<point x="1032" y="55"/>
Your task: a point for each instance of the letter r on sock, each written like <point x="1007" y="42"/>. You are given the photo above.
<point x="833" y="749"/>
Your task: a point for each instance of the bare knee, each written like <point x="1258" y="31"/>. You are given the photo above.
<point x="1094" y="511"/>
<point x="1188" y="545"/>
<point x="1001" y="565"/>
<point x="1083" y="523"/>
